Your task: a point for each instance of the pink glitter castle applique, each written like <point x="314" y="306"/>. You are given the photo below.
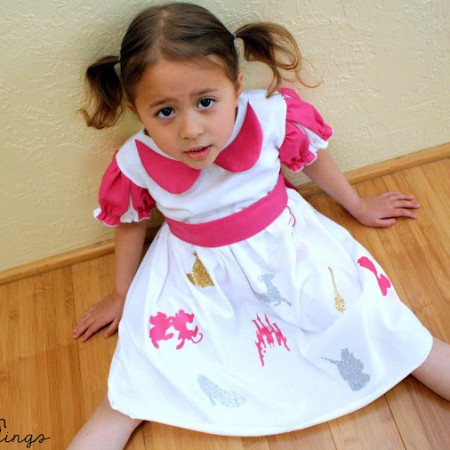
<point x="382" y="280"/>
<point x="266" y="335"/>
<point x="162" y="323"/>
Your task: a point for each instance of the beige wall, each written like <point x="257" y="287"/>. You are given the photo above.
<point x="384" y="66"/>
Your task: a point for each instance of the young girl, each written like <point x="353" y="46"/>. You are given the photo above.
<point x="251" y="314"/>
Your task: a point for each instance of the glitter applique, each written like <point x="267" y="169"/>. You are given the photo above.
<point x="199" y="275"/>
<point x="382" y="280"/>
<point x="266" y="335"/>
<point x="350" y="369"/>
<point x="162" y="323"/>
<point x="272" y="294"/>
<point x="230" y="399"/>
<point x="338" y="300"/>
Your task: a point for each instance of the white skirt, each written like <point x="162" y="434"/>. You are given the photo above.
<point x="294" y="326"/>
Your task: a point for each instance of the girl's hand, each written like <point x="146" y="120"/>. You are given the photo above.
<point x="381" y="211"/>
<point x="106" y="312"/>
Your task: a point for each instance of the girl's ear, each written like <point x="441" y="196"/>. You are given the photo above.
<point x="131" y="107"/>
<point x="239" y="84"/>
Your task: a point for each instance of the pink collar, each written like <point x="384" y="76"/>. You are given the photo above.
<point x="176" y="177"/>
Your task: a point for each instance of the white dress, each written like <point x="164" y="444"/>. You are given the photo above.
<point x="292" y="326"/>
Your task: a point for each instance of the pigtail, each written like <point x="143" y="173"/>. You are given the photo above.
<point x="105" y="94"/>
<point x="273" y="45"/>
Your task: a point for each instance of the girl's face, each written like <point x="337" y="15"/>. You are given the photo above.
<point x="188" y="110"/>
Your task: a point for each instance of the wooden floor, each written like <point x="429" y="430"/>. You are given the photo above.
<point x="50" y="384"/>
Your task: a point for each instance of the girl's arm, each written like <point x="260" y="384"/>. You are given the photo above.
<point x="378" y="211"/>
<point x="129" y="242"/>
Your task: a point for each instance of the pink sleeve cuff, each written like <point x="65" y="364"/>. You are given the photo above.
<point x="306" y="132"/>
<point x="121" y="200"/>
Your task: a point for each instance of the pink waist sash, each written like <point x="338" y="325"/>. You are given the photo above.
<point x="236" y="227"/>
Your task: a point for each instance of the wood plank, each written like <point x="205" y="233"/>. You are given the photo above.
<point x="39" y="312"/>
<point x="92" y="280"/>
<point x="164" y="437"/>
<point x="422" y="418"/>
<point x="256" y="443"/>
<point x="37" y="396"/>
<point x="64" y="259"/>
<point x="422" y="261"/>
<point x="383" y="168"/>
<point x="56" y="262"/>
<point x="318" y="437"/>
<point x="370" y="427"/>
<point x="39" y="366"/>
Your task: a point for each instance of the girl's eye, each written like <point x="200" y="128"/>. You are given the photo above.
<point x="165" y="113"/>
<point x="205" y="103"/>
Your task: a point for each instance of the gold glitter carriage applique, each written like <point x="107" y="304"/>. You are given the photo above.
<point x="338" y="300"/>
<point x="199" y="275"/>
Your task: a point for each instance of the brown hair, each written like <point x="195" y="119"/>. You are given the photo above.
<point x="182" y="32"/>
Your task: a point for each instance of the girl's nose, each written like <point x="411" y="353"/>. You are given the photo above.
<point x="191" y="126"/>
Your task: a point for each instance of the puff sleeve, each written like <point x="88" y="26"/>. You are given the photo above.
<point x="121" y="200"/>
<point x="306" y="132"/>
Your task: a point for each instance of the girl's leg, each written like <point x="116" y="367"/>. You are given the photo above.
<point x="107" y="429"/>
<point x="435" y="371"/>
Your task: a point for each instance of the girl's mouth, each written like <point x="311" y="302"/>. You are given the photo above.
<point x="198" y="153"/>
